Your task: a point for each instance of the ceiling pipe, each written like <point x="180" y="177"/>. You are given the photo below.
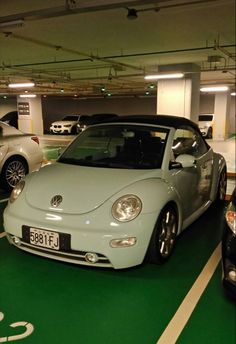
<point x="75" y="7"/>
<point x="72" y="51"/>
<point x="175" y="51"/>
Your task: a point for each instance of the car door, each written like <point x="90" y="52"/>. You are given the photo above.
<point x="192" y="183"/>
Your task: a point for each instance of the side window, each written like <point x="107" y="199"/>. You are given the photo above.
<point x="188" y="141"/>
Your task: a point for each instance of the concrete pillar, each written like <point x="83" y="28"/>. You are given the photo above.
<point x="180" y="97"/>
<point x="30" y="118"/>
<point x="221" y="116"/>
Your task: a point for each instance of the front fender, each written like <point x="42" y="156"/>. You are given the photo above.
<point x="219" y="164"/>
<point x="155" y="194"/>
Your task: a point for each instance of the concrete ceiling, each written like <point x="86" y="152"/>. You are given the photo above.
<point x="81" y="45"/>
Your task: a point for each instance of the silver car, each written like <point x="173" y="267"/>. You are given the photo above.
<point x="121" y="192"/>
<point x="19" y="154"/>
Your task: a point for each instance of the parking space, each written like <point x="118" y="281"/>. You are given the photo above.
<point x="46" y="301"/>
<point x="63" y="303"/>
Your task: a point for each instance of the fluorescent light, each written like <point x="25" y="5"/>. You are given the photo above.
<point x="22" y="85"/>
<point x="233" y="94"/>
<point x="214" y="89"/>
<point x="164" y="76"/>
<point x="27" y="95"/>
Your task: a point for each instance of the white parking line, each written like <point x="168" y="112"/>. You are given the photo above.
<point x="181" y="317"/>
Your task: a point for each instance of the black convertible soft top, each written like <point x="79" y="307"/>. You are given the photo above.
<point x="164" y="120"/>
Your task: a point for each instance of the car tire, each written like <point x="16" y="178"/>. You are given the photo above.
<point x="14" y="170"/>
<point x="222" y="186"/>
<point x="164" y="236"/>
<point x="209" y="133"/>
<point x="73" y="131"/>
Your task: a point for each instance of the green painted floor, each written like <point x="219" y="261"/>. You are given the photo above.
<point x="74" y="304"/>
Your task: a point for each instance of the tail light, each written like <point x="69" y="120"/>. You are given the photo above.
<point x="35" y="139"/>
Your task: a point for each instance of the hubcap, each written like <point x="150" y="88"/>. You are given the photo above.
<point x="15" y="172"/>
<point x="167" y="233"/>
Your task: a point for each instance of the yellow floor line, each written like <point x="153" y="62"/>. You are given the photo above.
<point x="181" y="317"/>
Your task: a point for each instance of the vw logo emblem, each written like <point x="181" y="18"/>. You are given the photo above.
<point x="56" y="201"/>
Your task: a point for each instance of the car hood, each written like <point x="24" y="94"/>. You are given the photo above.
<point x="64" y="122"/>
<point x="83" y="189"/>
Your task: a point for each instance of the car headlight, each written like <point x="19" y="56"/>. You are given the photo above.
<point x="230" y="217"/>
<point x="17" y="191"/>
<point x="126" y="208"/>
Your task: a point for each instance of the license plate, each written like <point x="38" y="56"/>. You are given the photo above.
<point x="44" y="238"/>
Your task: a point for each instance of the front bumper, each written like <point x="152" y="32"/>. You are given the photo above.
<point x="60" y="130"/>
<point x="90" y="233"/>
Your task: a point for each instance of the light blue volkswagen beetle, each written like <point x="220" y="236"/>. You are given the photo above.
<point x="121" y="192"/>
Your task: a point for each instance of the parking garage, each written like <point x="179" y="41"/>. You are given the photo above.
<point x="90" y="58"/>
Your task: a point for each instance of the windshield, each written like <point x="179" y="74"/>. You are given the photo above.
<point x="70" y="118"/>
<point x="117" y="146"/>
<point x="205" y="118"/>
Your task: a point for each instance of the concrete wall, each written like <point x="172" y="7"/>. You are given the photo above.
<point x="7" y="105"/>
<point x="207" y="104"/>
<point x="56" y="108"/>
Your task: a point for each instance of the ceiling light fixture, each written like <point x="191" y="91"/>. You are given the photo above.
<point x="27" y="95"/>
<point x="214" y="89"/>
<point x="164" y="76"/>
<point x="132" y="14"/>
<point x="233" y="94"/>
<point x="22" y="85"/>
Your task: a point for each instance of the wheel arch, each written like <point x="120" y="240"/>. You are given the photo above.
<point x="151" y="255"/>
<point x="177" y="209"/>
<point x="16" y="156"/>
<point x="219" y="164"/>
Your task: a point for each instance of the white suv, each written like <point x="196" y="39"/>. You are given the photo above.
<point x="67" y="125"/>
<point x="205" y="123"/>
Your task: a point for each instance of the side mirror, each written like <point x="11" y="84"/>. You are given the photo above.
<point x="186" y="160"/>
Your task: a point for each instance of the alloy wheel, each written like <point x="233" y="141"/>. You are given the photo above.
<point x="15" y="172"/>
<point x="168" y="231"/>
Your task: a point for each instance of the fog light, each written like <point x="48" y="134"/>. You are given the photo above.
<point x="232" y="275"/>
<point x="16" y="240"/>
<point x="127" y="242"/>
<point x="91" y="257"/>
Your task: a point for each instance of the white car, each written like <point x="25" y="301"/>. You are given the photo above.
<point x="68" y="125"/>
<point x="19" y="154"/>
<point x="205" y="123"/>
<point x="121" y="191"/>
